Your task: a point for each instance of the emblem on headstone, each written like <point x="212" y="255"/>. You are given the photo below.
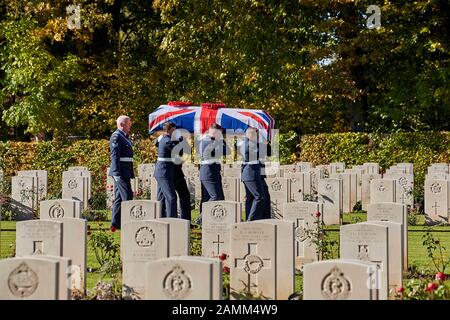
<point x="137" y="212"/>
<point x="218" y="212"/>
<point x="21" y="183"/>
<point x="225" y="184"/>
<point x="403" y="181"/>
<point x="328" y="187"/>
<point x="276" y="185"/>
<point x="335" y="286"/>
<point x="72" y="184"/>
<point x="23" y="281"/>
<point x="145" y="237"/>
<point x="253" y="264"/>
<point x="299" y="234"/>
<point x="381" y="188"/>
<point x="177" y="284"/>
<point x="56" y="211"/>
<point x="363" y="252"/>
<point x="436" y="187"/>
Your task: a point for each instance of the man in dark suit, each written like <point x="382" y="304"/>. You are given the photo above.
<point x="121" y="169"/>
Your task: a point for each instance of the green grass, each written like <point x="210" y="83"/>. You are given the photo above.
<point x="417" y="252"/>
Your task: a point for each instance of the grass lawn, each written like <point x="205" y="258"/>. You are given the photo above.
<point x="416" y="253"/>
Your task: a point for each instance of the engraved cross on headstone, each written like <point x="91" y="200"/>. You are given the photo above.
<point x="435" y="207"/>
<point x="218" y="242"/>
<point x="299" y="245"/>
<point x="252" y="264"/>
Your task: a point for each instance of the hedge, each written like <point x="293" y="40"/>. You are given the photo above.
<point x="421" y="148"/>
<point x="57" y="157"/>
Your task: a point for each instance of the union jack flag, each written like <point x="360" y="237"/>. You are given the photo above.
<point x="196" y="119"/>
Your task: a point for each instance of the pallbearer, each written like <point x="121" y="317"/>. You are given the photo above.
<point x="263" y="154"/>
<point x="251" y="176"/>
<point x="212" y="148"/>
<point x="121" y="169"/>
<point x="181" y="187"/>
<point x="165" y="170"/>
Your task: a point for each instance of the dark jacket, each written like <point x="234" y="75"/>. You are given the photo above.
<point x="120" y="146"/>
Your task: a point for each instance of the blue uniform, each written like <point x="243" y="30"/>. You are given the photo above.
<point x="210" y="177"/>
<point x="255" y="201"/>
<point x="121" y="154"/>
<point x="182" y="190"/>
<point x="165" y="175"/>
<point x="267" y="212"/>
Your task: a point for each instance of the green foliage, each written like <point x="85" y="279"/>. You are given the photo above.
<point x="319" y="237"/>
<point x="436" y="252"/>
<point x="106" y="250"/>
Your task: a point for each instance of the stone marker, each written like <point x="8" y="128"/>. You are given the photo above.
<point x="284" y="257"/>
<point x="342" y="279"/>
<point x="367" y="242"/>
<point x="23" y="197"/>
<point x="366" y="178"/>
<point x="437" y="176"/>
<point x="81" y="173"/>
<point x="75" y="248"/>
<point x="349" y="189"/>
<point x="180" y="278"/>
<point x="371" y="167"/>
<point x="304" y="166"/>
<point x="395" y="250"/>
<point x="231" y="188"/>
<point x="60" y="208"/>
<point x="179" y="236"/>
<point x="77" y="168"/>
<point x="141" y="242"/>
<point x="40" y="184"/>
<point x="217" y="219"/>
<point x="279" y="190"/>
<point x="337" y="167"/>
<point x="29" y="279"/>
<point x="330" y="194"/>
<point x="217" y="274"/>
<point x="404" y="188"/>
<point x="395" y="212"/>
<point x="253" y="260"/>
<point x="135" y="210"/>
<point x="437" y="201"/>
<point x="234" y="172"/>
<point x="382" y="190"/>
<point x="75" y="187"/>
<point x="36" y="237"/>
<point x="303" y="214"/>
<point x="65" y="265"/>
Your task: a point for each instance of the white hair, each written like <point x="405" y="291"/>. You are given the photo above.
<point x="121" y="120"/>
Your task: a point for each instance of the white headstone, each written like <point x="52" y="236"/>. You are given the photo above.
<point x="342" y="279"/>
<point x="367" y="242"/>
<point x="330" y="194"/>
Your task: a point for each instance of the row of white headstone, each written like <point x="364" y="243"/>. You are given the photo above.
<point x="29" y="188"/>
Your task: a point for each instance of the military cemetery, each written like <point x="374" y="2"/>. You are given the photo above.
<point x="224" y="151"/>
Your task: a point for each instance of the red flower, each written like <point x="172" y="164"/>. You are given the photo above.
<point x="399" y="290"/>
<point x="214" y="106"/>
<point x="180" y="103"/>
<point x="440" y="276"/>
<point x="317" y="214"/>
<point x="226" y="269"/>
<point x="431" y="286"/>
<point x="223" y="257"/>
